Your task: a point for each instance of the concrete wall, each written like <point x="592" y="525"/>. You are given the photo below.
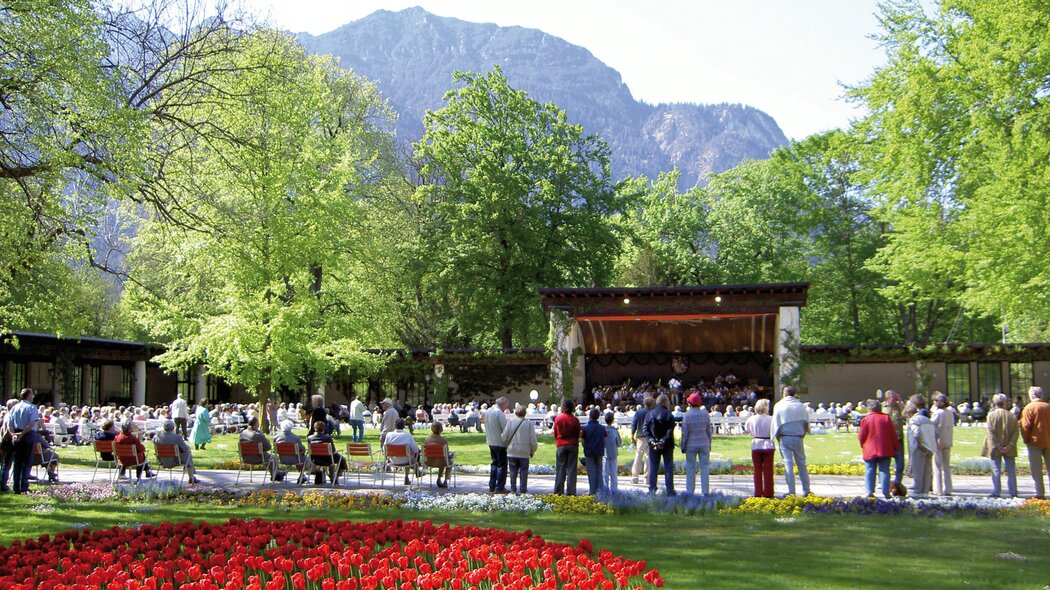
<point x="853" y="382"/>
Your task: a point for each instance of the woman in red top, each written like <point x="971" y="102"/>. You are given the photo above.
<point x="127" y="437"/>
<point x="567" y="439"/>
<point x="879" y="442"/>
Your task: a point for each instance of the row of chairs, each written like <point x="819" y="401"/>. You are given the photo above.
<point x="127" y="456"/>
<point x="359" y="458"/>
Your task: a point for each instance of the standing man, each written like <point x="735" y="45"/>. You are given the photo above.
<point x="180" y="414"/>
<point x="659" y="427"/>
<point x="495" y="423"/>
<point x="790" y="425"/>
<point x="567" y="440"/>
<point x="944" y="421"/>
<point x="1035" y="430"/>
<point x="388" y="421"/>
<point x="357" y="418"/>
<point x="594" y="450"/>
<point x="641" y="442"/>
<point x="22" y="424"/>
<point x="894" y="408"/>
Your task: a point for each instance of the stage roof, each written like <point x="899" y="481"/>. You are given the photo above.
<point x="711" y="318"/>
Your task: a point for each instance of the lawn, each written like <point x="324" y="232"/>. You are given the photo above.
<point x="723" y="551"/>
<point x="471" y="449"/>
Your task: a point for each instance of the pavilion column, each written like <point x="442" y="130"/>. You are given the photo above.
<point x="138" y="387"/>
<point x="85" y="385"/>
<point x="787" y="351"/>
<point x="200" y="388"/>
<point x="567" y="366"/>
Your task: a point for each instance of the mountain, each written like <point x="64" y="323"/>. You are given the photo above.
<point x="411" y="55"/>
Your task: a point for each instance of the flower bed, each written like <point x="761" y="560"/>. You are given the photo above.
<point x="268" y="555"/>
<point x="936" y="507"/>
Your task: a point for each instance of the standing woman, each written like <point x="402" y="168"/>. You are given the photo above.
<point x="1000" y="443"/>
<point x="762" y="448"/>
<point x="879" y="443"/>
<point x="922" y="443"/>
<point x="520" y="439"/>
<point x="201" y="433"/>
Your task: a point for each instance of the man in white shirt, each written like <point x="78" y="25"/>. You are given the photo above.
<point x="790" y="425"/>
<point x="180" y="414"/>
<point x="400" y="437"/>
<point x="495" y="422"/>
<point x="357" y="418"/>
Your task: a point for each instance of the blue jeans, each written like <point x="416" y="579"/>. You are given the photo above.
<point x="565" y="469"/>
<point x="358" y="430"/>
<point x="594" y="473"/>
<point x="23" y="463"/>
<point x="519" y="474"/>
<point x="609" y="473"/>
<point x="898" y="464"/>
<point x="655" y="455"/>
<point x="1011" y="475"/>
<point x="498" y="468"/>
<point x="794" y="453"/>
<point x="704" y="457"/>
<point x="883" y="465"/>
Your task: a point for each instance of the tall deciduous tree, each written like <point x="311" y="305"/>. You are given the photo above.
<point x="957" y="145"/>
<point x="517" y="198"/>
<point x="256" y="279"/>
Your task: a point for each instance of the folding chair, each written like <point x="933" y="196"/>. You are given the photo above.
<point x="360" y="455"/>
<point x="322" y="456"/>
<point x="251" y="458"/>
<point x="104" y="446"/>
<point x="169" y="458"/>
<point x="38" y="459"/>
<point x="289" y="455"/>
<point x="397" y="456"/>
<point x="129" y="458"/>
<point x="435" y="456"/>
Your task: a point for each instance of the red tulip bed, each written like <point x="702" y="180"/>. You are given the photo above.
<point x="313" y="554"/>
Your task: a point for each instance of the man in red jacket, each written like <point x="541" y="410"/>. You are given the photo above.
<point x="567" y="439"/>
<point x="879" y="442"/>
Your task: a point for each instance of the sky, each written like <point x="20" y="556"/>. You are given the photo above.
<point x="789" y="58"/>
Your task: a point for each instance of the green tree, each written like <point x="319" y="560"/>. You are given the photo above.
<point x="515" y="198"/>
<point x="669" y="242"/>
<point x="956" y="146"/>
<point x="256" y="278"/>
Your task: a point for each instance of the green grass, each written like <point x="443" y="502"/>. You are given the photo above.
<point x="724" y="551"/>
<point x="471" y="449"/>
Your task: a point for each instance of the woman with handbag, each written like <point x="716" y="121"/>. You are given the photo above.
<point x="520" y="439"/>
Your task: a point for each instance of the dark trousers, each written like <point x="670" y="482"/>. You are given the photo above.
<point x="8" y="449"/>
<point x="23" y="462"/>
<point x="667" y="455"/>
<point x="565" y="469"/>
<point x="763" y="463"/>
<point x="498" y="468"/>
<point x="594" y="473"/>
<point x="519" y="474"/>
<point x="180" y="426"/>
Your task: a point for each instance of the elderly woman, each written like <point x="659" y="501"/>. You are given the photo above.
<point x="1000" y="443"/>
<point x="922" y="443"/>
<point x="762" y="448"/>
<point x="879" y="443"/>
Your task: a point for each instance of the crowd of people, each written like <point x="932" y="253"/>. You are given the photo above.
<point x="889" y="429"/>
